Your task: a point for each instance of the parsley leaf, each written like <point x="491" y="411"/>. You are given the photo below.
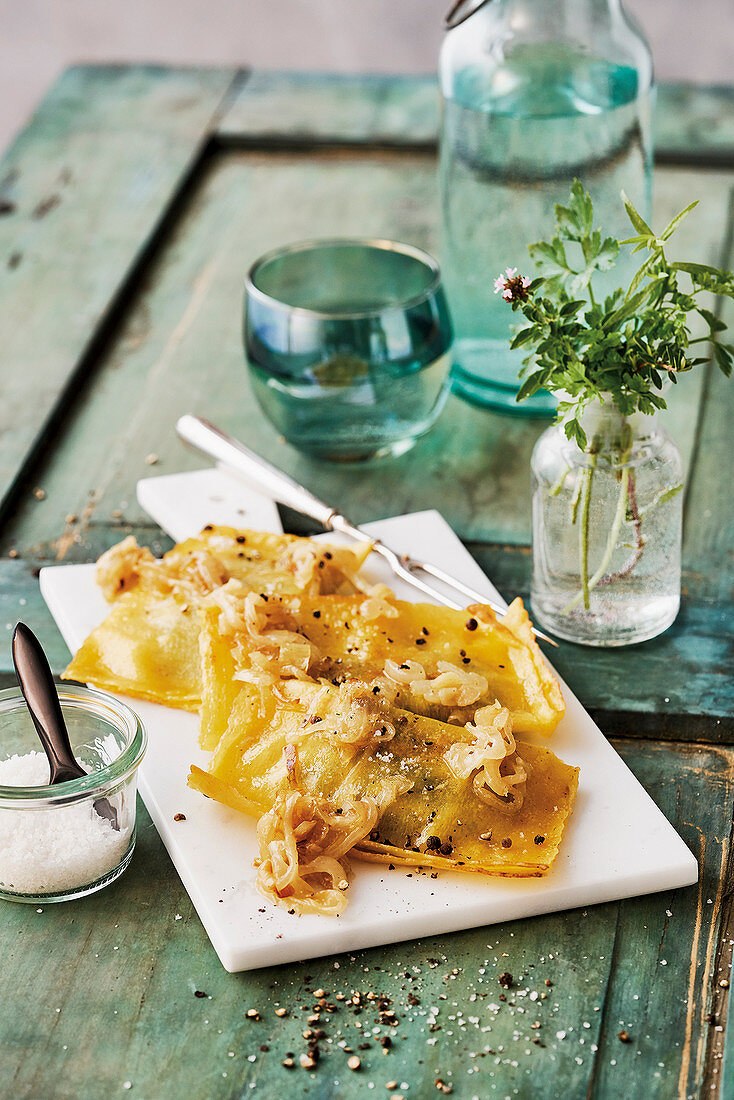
<point x="627" y="346"/>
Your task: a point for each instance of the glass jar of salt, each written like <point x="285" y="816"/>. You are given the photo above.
<point x="55" y="844"/>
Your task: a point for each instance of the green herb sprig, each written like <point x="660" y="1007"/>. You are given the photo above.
<point x="622" y="347"/>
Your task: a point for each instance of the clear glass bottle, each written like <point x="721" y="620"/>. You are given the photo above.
<point x="607" y="529"/>
<point x="534" y="94"/>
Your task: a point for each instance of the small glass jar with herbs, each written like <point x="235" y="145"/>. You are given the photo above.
<point x="607" y="478"/>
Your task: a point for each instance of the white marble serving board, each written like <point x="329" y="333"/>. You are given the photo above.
<point x="618" y="844"/>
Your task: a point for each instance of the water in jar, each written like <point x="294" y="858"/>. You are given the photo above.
<point x="511" y="146"/>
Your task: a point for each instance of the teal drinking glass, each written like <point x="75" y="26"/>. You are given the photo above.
<point x="348" y="345"/>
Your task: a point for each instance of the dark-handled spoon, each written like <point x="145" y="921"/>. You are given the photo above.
<point x="39" y="691"/>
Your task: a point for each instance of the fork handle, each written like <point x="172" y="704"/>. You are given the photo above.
<point x="257" y="471"/>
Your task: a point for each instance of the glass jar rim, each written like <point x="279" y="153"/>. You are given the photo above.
<point x="59" y="794"/>
<point x="379" y="244"/>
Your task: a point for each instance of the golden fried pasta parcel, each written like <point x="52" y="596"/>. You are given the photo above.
<point x="431" y="660"/>
<point x="321" y="763"/>
<point x="345" y="720"/>
<point x="148" y="646"/>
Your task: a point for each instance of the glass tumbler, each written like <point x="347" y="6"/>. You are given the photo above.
<point x="58" y="842"/>
<point x="348" y="343"/>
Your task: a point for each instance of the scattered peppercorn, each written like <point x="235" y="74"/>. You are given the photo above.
<point x="446" y="849"/>
<point x="506" y="843"/>
<point x="540" y="839"/>
<point x="505" y="979"/>
<point x="625" y="1037"/>
<point x="472" y="624"/>
<point x="199" y="993"/>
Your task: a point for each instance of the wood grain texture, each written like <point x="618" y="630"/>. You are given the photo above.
<point x="111" y="1005"/>
<point x="691" y="123"/>
<point x="709" y="514"/>
<point x="632" y="693"/>
<point x="102" y="991"/>
<point x="88" y="182"/>
<point x="677" y="686"/>
<point x="178" y="349"/>
<point x="319" y="107"/>
<point x="666" y="1014"/>
<point x="695" y="125"/>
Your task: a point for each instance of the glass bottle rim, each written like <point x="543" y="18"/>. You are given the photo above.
<point x="96" y="703"/>
<point x="379" y="244"/>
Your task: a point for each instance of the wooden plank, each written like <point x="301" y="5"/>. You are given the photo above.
<point x="473" y="466"/>
<point x="130" y="1015"/>
<point x="666" y="1015"/>
<point x="709" y="524"/>
<point x="20" y="599"/>
<point x="116" y="1006"/>
<point x="720" y="1054"/>
<point x="630" y="693"/>
<point x="695" y="125"/>
<point x="319" y="107"/>
<point x="88" y="182"/>
<point x="692" y="123"/>
<point x="710" y="538"/>
<point x="20" y="594"/>
<point x="677" y="686"/>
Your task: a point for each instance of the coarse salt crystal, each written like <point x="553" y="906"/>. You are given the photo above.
<point x="59" y="848"/>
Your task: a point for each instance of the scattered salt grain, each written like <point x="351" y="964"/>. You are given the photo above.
<point x="60" y="848"/>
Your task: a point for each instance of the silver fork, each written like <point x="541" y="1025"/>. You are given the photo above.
<point x="208" y="439"/>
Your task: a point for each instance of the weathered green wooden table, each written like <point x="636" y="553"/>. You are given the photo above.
<point x="130" y="209"/>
